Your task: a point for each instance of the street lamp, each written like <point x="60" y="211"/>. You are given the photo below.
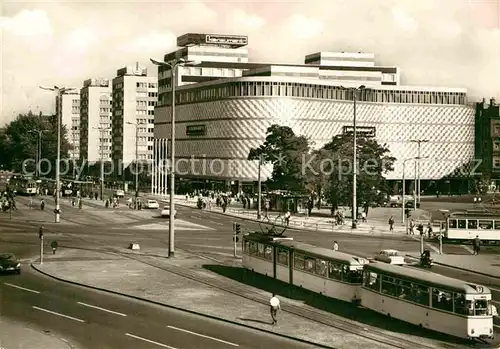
<point x="38" y="151"/>
<point x="417" y="165"/>
<point x="102" y="129"/>
<point x="136" y="159"/>
<point x="173" y="66"/>
<point x="59" y="92"/>
<point x="404" y="189"/>
<point x="354" y="155"/>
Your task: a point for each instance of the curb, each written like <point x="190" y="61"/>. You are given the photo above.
<point x="290" y="227"/>
<point x="459" y="268"/>
<point x="234" y="323"/>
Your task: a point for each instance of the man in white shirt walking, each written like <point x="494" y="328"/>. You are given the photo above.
<point x="275" y="306"/>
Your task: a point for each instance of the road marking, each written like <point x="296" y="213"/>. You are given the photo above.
<point x="103" y="309"/>
<point x="58" y="314"/>
<point x="21" y="288"/>
<point x="214" y="222"/>
<point x="149" y="341"/>
<point x="467" y="248"/>
<point x="202" y="335"/>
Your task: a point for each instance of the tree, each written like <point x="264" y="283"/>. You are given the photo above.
<point x="373" y="162"/>
<point x="286" y="151"/>
<point x="19" y="144"/>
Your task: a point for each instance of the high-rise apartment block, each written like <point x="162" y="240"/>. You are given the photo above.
<point x="134" y="98"/>
<point x="95" y="120"/>
<point x="68" y="106"/>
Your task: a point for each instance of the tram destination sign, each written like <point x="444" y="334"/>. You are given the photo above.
<point x="363" y="131"/>
<point x="196" y="130"/>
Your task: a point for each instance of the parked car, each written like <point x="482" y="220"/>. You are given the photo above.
<point x="390" y="257"/>
<point x="166" y="212"/>
<point x="119" y="193"/>
<point x="152" y="204"/>
<point x="9" y="263"/>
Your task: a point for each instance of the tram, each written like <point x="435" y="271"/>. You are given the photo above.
<point x="428" y="300"/>
<point x="23" y="186"/>
<point x="463" y="227"/>
<point x="327" y="272"/>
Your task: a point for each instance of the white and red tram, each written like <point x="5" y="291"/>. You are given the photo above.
<point x="331" y="273"/>
<point x="428" y="300"/>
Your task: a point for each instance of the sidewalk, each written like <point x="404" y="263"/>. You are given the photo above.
<point x="149" y="275"/>
<point x="376" y="224"/>
<point x="486" y="264"/>
<point x="14" y="335"/>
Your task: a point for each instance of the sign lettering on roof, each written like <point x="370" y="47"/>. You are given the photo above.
<point x="363" y="131"/>
<point x="196" y="130"/>
<point x="226" y="39"/>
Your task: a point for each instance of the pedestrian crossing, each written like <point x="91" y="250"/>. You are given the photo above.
<point x="179" y="225"/>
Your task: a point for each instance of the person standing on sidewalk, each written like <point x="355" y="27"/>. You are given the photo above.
<point x="476" y="243"/>
<point x="335" y="246"/>
<point x="275" y="306"/>
<point x="391" y="223"/>
<point x="412" y="227"/>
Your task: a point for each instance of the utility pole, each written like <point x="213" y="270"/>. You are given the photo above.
<point x="136" y="160"/>
<point x="259" y="190"/>
<point x="417" y="169"/>
<point x="59" y="92"/>
<point x="102" y="129"/>
<point x="173" y="66"/>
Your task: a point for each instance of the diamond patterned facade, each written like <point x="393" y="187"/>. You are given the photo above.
<point x="234" y="126"/>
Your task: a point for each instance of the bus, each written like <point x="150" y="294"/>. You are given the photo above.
<point x="331" y="273"/>
<point x="464" y="226"/>
<point x="428" y="300"/>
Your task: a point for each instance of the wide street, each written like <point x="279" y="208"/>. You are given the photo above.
<point x="94" y="319"/>
<point x="64" y="309"/>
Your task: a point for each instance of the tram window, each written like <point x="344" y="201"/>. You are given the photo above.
<point x="352" y="276"/>
<point x="268" y="253"/>
<point x="442" y="299"/>
<point x="253" y="248"/>
<point x="246" y="247"/>
<point x="372" y="281"/>
<point x="321" y="267"/>
<point x="298" y="261"/>
<point x="282" y="256"/>
<point x="461" y="307"/>
<point x="486" y="224"/>
<point x="309" y="264"/>
<point x="471" y="224"/>
<point x="389" y="287"/>
<point x="452" y="223"/>
<point x="260" y="251"/>
<point x="497" y="224"/>
<point x="419" y="294"/>
<point x="481" y="307"/>
<point x="462" y="223"/>
<point x="334" y="271"/>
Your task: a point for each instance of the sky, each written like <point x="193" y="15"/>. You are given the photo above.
<point x="450" y="43"/>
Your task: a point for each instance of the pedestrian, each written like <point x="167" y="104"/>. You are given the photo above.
<point x="476" y="244"/>
<point x="363" y="216"/>
<point x="391" y="223"/>
<point x="275" y="306"/>
<point x="335" y="246"/>
<point x="429" y="230"/>
<point x="287" y="217"/>
<point x="412" y="227"/>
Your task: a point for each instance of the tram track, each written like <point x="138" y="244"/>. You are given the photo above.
<point x="246" y="292"/>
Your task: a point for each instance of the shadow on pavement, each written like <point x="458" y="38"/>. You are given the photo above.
<point x="340" y="308"/>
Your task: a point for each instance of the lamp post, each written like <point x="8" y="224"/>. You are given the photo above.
<point x="354" y="155"/>
<point x="136" y="159"/>
<point x="102" y="129"/>
<point x="173" y="66"/>
<point x="259" y="190"/>
<point x="404" y="189"/>
<point x="417" y="168"/>
<point x="59" y="92"/>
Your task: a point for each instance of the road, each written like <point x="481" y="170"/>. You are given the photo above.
<point x="95" y="319"/>
<point x="214" y="238"/>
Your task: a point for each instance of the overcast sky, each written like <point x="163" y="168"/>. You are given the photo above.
<point x="454" y="43"/>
